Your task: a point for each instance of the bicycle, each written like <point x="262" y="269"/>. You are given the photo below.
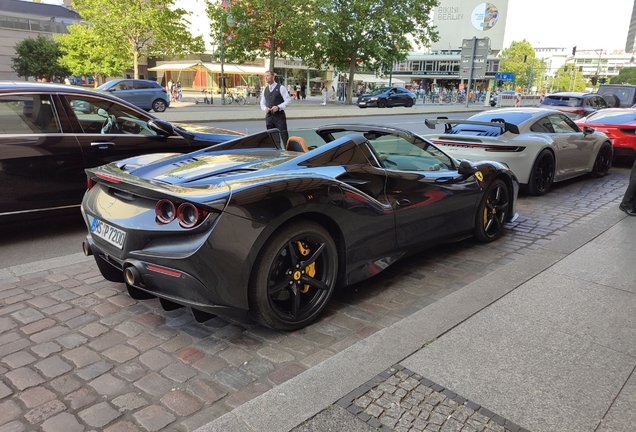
<point x="232" y="98"/>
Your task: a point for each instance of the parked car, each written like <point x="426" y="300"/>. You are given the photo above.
<point x="387" y="97"/>
<point x="50" y="133"/>
<point x="541" y="146"/>
<point x="574" y="104"/>
<point x="249" y="226"/>
<point x="618" y="95"/>
<point x="145" y="94"/>
<point x="494" y="98"/>
<point x="619" y="124"/>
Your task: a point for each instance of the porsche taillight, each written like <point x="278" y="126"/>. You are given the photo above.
<point x="89" y="183"/>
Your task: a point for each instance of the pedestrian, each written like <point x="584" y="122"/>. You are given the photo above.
<point x="323" y="92"/>
<point x="257" y="90"/>
<point x="303" y="91"/>
<point x="170" y="87"/>
<point x="248" y="92"/>
<point x="274" y="101"/>
<point x="628" y="205"/>
<point x="179" y="94"/>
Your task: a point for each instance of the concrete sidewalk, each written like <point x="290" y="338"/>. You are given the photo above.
<point x="188" y="111"/>
<point x="545" y="343"/>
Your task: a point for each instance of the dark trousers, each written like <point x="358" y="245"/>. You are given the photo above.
<point x="629" y="199"/>
<point x="278" y="120"/>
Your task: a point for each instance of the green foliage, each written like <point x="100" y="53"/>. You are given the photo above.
<point x="38" y="58"/>
<point x="627" y="75"/>
<point x="148" y="28"/>
<point x="369" y="33"/>
<point x="263" y="28"/>
<point x="567" y="80"/>
<point x="512" y="60"/>
<point x="87" y="53"/>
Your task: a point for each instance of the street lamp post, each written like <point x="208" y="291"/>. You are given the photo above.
<point x="230" y="23"/>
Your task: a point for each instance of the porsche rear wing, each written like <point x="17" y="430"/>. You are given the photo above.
<point x="448" y="124"/>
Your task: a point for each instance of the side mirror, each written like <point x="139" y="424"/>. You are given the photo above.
<point x="161" y="127"/>
<point x="102" y="112"/>
<point x="587" y="130"/>
<point x="466" y="168"/>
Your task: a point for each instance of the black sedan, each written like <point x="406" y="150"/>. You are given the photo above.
<point x="49" y="134"/>
<point x="387" y="97"/>
<point x="249" y="226"/>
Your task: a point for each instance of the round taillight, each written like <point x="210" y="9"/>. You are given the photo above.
<point x="165" y="211"/>
<point x="188" y="215"/>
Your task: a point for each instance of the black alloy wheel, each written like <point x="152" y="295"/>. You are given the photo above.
<point x="409" y="103"/>
<point x="493" y="212"/>
<point x="381" y="103"/>
<point x="603" y="161"/>
<point x="294" y="276"/>
<point x="159" y="105"/>
<point x="542" y="174"/>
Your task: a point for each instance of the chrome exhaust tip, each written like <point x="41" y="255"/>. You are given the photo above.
<point x="132" y="276"/>
<point x="86" y="249"/>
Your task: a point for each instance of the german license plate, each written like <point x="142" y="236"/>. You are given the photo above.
<point x="362" y="103"/>
<point x="107" y="232"/>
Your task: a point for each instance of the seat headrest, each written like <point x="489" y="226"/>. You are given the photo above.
<point x="297" y="144"/>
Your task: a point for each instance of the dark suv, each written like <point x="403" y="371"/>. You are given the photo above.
<point x="575" y="105"/>
<point x="618" y="95"/>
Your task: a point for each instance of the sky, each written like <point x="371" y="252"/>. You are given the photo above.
<point x="586" y="24"/>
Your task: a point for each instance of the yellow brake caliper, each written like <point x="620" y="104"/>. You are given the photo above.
<point x="310" y="269"/>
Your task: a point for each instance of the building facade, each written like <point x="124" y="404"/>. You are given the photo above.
<point x="630" y="44"/>
<point x="21" y="20"/>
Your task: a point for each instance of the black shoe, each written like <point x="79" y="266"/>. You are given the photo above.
<point x="626" y="209"/>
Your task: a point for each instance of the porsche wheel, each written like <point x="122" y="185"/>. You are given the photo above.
<point x="603" y="161"/>
<point x="294" y="276"/>
<point x="542" y="174"/>
<point x="492" y="212"/>
<point x="381" y="103"/>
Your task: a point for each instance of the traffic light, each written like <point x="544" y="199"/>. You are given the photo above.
<point x="594" y="80"/>
<point x="574" y="51"/>
<point x="580" y="68"/>
<point x="500" y="83"/>
<point x="602" y="80"/>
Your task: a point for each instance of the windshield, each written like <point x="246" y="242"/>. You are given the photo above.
<point x="379" y="91"/>
<point x="611" y="117"/>
<point x="562" y="101"/>
<point x="483" y="130"/>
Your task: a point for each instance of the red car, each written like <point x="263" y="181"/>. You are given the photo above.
<point x="619" y="124"/>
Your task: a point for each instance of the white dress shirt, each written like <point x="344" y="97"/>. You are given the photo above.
<point x="283" y="92"/>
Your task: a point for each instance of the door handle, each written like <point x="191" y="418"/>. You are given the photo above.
<point x="403" y="202"/>
<point x="103" y="145"/>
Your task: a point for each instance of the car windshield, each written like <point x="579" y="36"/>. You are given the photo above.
<point x="562" y="101"/>
<point x="482" y="130"/>
<point x="379" y="91"/>
<point x="605" y="117"/>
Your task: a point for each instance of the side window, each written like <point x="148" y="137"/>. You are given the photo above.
<point x="560" y="124"/>
<point x="107" y="117"/>
<point x="28" y="114"/>
<point x="591" y="102"/>
<point x="600" y="102"/>
<point x="543" y="125"/>
<point x="123" y="85"/>
<point x="142" y="85"/>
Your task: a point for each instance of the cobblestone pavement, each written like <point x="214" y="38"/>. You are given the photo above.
<point x="77" y="353"/>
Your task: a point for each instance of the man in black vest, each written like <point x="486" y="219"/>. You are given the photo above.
<point x="274" y="101"/>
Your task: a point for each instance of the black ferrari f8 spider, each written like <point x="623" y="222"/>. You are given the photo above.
<point x="246" y="225"/>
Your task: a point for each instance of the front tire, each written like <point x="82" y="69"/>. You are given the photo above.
<point x="492" y="212"/>
<point x="603" y="161"/>
<point x="294" y="276"/>
<point x="159" y="105"/>
<point x="542" y="174"/>
<point x="409" y="103"/>
<point x="382" y="103"/>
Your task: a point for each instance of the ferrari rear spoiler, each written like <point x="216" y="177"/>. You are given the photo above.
<point x="496" y="122"/>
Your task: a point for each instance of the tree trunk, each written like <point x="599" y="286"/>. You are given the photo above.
<point x="136" y="63"/>
<point x="352" y="71"/>
<point x="95" y="75"/>
<point x="272" y="49"/>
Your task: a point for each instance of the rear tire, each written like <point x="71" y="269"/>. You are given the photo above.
<point x="603" y="161"/>
<point x="542" y="174"/>
<point x="492" y="213"/>
<point x="294" y="276"/>
<point x="159" y="105"/>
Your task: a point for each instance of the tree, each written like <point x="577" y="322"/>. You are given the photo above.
<point x="38" y="58"/>
<point x="369" y="33"/>
<point x="263" y="28"/>
<point x="87" y="53"/>
<point x="568" y="78"/>
<point x="148" y="28"/>
<point x="519" y="58"/>
<point x="627" y="75"/>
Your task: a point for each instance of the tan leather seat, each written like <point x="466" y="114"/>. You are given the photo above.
<point x="297" y="144"/>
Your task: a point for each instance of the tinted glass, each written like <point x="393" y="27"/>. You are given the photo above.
<point x="379" y="91"/>
<point x="543" y="125"/>
<point x="562" y="101"/>
<point x="104" y="116"/>
<point x="611" y="117"/>
<point x="27" y="114"/>
<point x="483" y="130"/>
<point x="561" y="124"/>
<point x="124" y="85"/>
<point x="143" y="85"/>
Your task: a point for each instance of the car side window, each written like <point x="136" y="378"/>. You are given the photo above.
<point x="142" y="85"/>
<point x="543" y="125"/>
<point x="600" y="102"/>
<point x="28" y="114"/>
<point x="123" y="85"/>
<point x="107" y="117"/>
<point x="561" y="125"/>
<point x="398" y="153"/>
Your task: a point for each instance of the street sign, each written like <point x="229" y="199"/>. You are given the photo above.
<point x="505" y="76"/>
<point x="482" y="49"/>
